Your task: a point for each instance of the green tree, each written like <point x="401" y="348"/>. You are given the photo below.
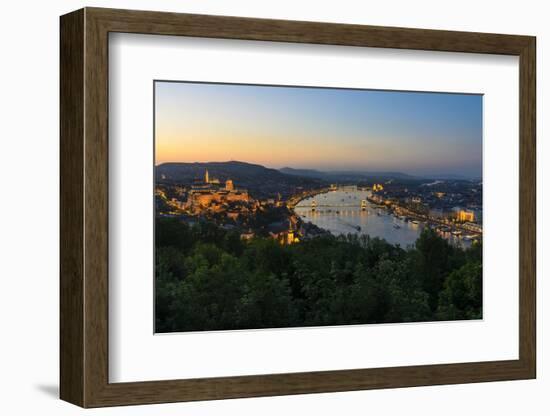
<point x="432" y="263"/>
<point x="165" y="285"/>
<point x="266" y="302"/>
<point x="461" y="297"/>
<point x="206" y="278"/>
<point x="405" y="298"/>
<point x="208" y="298"/>
<point x="170" y="232"/>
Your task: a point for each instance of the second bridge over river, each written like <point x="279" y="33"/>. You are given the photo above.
<point x="314" y="205"/>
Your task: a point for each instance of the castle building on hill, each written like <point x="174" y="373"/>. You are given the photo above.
<point x="208" y="193"/>
<point x="210" y="181"/>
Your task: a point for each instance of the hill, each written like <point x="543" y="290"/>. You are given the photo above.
<point x="261" y="182"/>
<point x="345" y="176"/>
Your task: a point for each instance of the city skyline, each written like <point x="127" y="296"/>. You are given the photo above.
<point x="327" y="129"/>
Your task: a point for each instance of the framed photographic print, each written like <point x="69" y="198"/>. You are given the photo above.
<point x="255" y="207"/>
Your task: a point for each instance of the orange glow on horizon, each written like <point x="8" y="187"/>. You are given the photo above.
<point x="266" y="151"/>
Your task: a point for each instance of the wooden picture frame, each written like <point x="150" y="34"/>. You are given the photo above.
<point x="84" y="207"/>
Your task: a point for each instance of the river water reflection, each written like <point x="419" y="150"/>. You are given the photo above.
<point x="340" y="212"/>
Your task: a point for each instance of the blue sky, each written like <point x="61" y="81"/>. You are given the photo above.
<point x="319" y="128"/>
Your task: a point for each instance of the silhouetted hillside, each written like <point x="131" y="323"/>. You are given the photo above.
<point x="259" y="180"/>
<point x="346" y="176"/>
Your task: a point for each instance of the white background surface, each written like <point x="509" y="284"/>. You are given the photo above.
<point x="136" y="354"/>
<point x="29" y="210"/>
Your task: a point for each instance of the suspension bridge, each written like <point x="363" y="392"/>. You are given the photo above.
<point x="314" y="205"/>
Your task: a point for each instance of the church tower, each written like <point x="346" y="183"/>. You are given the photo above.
<point x="229" y="185"/>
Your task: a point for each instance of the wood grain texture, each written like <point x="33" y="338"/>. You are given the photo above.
<point x="96" y="208"/>
<point x="84" y="204"/>
<point x="162" y="23"/>
<point x="71" y="213"/>
<point x="527" y="207"/>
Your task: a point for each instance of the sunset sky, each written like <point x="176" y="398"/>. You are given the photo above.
<point x="319" y="128"/>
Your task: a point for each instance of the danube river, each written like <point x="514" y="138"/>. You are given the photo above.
<point x="340" y="212"/>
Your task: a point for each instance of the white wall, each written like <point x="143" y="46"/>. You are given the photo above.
<point x="29" y="209"/>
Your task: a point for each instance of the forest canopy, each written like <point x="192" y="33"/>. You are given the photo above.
<point x="207" y="278"/>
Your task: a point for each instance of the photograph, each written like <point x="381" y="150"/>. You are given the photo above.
<point x="282" y="206"/>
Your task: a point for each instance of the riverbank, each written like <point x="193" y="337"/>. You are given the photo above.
<point x="439" y="224"/>
<point x="340" y="212"/>
<point x="295" y="200"/>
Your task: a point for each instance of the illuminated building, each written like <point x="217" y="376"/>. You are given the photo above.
<point x="292" y="234"/>
<point x="210" y="181"/>
<point x="234" y="215"/>
<point x="160" y="193"/>
<point x="465" y="216"/>
<point x="249" y="235"/>
<point x="291" y="238"/>
<point x="202" y="196"/>
<point x="284" y="233"/>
